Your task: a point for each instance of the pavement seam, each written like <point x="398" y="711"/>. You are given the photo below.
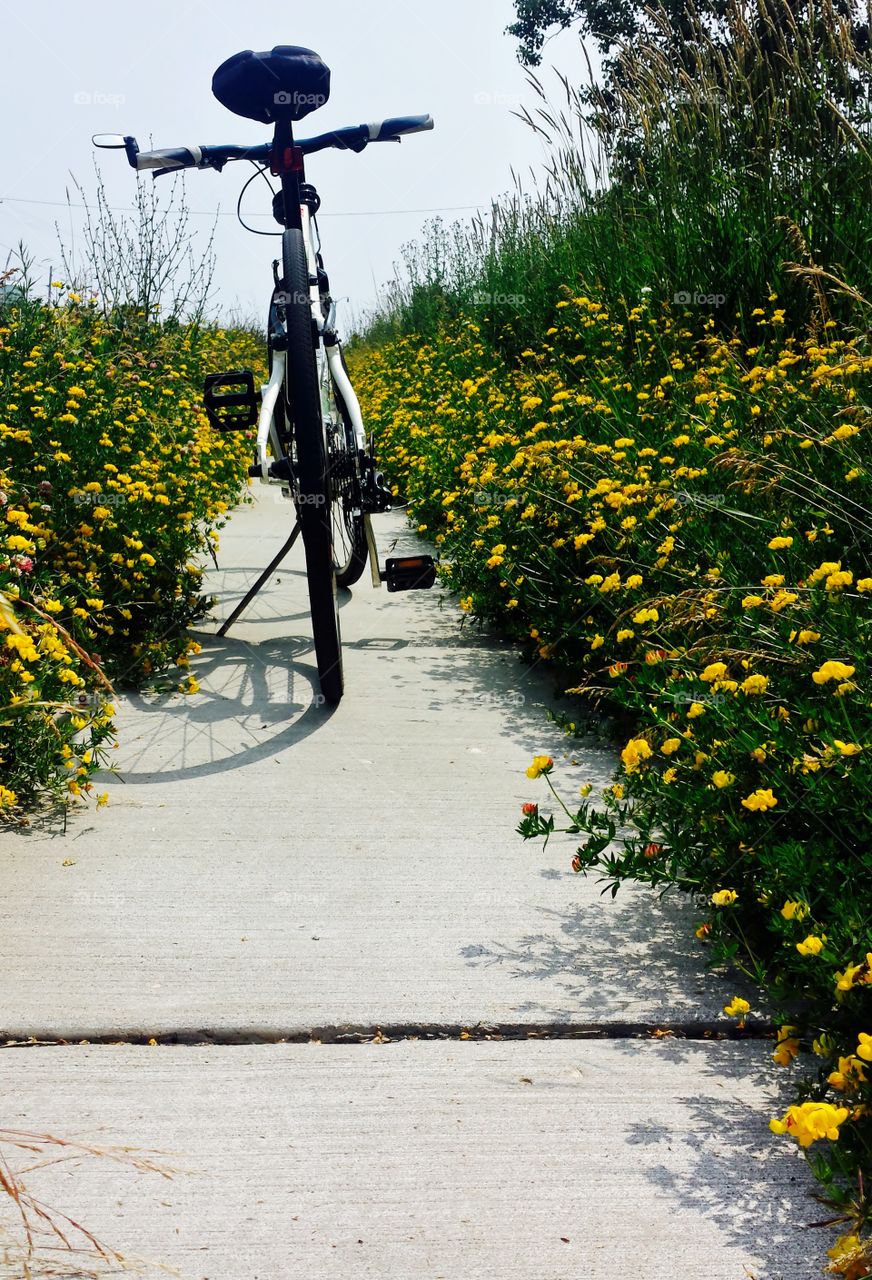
<point x="386" y="1033"/>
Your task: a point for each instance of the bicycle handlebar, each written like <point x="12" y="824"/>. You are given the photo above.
<point x="351" y="138"/>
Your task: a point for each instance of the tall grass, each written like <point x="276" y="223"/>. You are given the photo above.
<point x="719" y="172"/>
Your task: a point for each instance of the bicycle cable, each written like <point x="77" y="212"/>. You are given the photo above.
<point x="258" y="172"/>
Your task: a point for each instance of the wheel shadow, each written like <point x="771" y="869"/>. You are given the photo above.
<point x="254" y="700"/>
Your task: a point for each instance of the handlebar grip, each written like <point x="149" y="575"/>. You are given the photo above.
<point x="170" y="158"/>
<point x="395" y="126"/>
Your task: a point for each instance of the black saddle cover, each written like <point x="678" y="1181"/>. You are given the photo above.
<point x="285" y="83"/>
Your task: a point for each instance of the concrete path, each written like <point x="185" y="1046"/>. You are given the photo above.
<point x="268" y="869"/>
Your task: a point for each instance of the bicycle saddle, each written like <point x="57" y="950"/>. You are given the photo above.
<point x="284" y="83"/>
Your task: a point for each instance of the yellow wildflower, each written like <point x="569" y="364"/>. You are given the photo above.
<point x="760" y="800"/>
<point x="541" y="764"/>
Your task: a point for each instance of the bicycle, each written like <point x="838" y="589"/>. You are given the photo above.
<point x="311" y="439"/>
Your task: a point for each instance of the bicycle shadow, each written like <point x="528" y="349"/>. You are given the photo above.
<point x="255" y="699"/>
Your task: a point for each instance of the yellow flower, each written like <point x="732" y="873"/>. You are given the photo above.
<point x="737" y="1008"/>
<point x="808" y="637"/>
<point x="752" y="602"/>
<point x="714" y="671"/>
<point x="670" y="746"/>
<point x="833" y="671"/>
<point x="760" y="800"/>
<point x="777" y="544"/>
<point x="724" y="897"/>
<point x="646" y="615"/>
<point x="811" y="1121"/>
<point x="541" y="764"/>
<point x="864" y="1047"/>
<point x="850" y="1257"/>
<point x="754" y="684"/>
<point x="847" y="748"/>
<point x="846" y="978"/>
<point x="634" y="753"/>
<point x="812" y="945"/>
<point x="8" y="798"/>
<point x="787" y="1047"/>
<point x="103" y="800"/>
<point x="722" y="779"/>
<point x="695" y="709"/>
<point x="794" y="910"/>
<point x="849" y="1074"/>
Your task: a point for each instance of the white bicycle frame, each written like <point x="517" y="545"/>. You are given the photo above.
<point x="330" y="367"/>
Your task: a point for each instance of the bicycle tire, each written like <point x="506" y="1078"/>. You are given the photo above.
<point x="350" y="553"/>
<point x="313" y="480"/>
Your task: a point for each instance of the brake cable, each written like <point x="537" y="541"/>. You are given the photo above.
<point x="258" y="172"/>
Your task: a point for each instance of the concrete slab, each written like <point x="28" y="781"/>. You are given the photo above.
<point x="429" y="1161"/>
<point x="266" y="865"/>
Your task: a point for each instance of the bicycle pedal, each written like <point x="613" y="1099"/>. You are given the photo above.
<point x="409" y="573"/>
<point x="231" y="402"/>
<point x="279" y="469"/>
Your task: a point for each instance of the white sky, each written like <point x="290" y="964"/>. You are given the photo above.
<point x="91" y="66"/>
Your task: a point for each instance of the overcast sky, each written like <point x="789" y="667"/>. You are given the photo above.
<point x="78" y="68"/>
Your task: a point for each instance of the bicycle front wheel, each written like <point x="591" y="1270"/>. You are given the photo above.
<point x="311" y="465"/>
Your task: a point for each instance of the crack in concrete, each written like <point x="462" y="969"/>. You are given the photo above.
<point x="391" y="1033"/>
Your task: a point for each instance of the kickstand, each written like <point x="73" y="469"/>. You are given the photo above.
<point x="267" y="573"/>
